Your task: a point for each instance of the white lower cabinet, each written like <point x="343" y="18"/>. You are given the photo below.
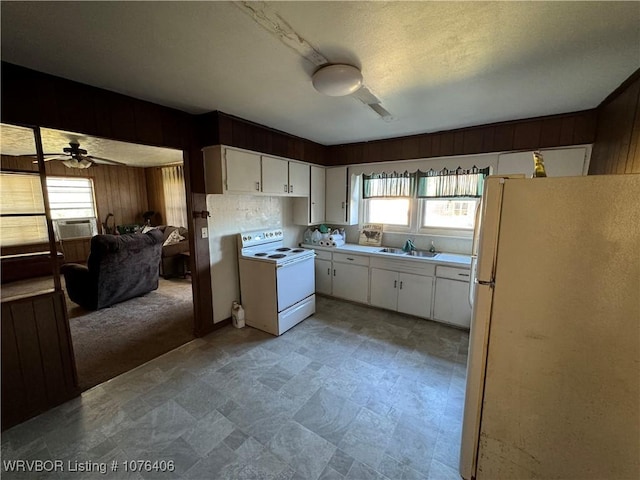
<point x="323" y="272"/>
<point x="452" y="291"/>
<point x="342" y="275"/>
<point x="384" y="289"/>
<point x="350" y="281"/>
<point x="416" y="288"/>
<point x="414" y="294"/>
<point x="402" y="285"/>
<point x="403" y="292"/>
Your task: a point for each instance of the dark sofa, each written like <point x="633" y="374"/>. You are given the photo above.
<point x="173" y="263"/>
<point x="119" y="267"/>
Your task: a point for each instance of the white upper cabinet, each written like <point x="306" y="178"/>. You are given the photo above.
<point x="317" y="195"/>
<point x="282" y="177"/>
<point x="234" y="170"/>
<point x="561" y="162"/>
<point x="299" y="183"/>
<point x="342" y="191"/>
<point x="310" y="210"/>
<point x="275" y="175"/>
<point x="230" y="170"/>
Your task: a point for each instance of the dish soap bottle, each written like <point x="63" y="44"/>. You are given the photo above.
<point x="538" y="169"/>
<point x="432" y="248"/>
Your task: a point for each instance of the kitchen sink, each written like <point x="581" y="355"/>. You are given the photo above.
<point x="422" y="253"/>
<point x="397" y="251"/>
<point x="413" y="253"/>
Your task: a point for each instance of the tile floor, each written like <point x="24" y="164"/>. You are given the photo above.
<point x="350" y="393"/>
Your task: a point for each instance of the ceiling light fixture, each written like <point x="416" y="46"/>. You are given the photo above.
<point x="337" y="80"/>
<point x="77" y="161"/>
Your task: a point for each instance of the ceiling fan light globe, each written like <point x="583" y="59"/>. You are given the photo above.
<point x="337" y="80"/>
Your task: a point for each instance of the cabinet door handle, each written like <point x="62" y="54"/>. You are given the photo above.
<point x="463" y="274"/>
<point x="395" y="283"/>
<point x="334" y="272"/>
<point x="258" y="186"/>
<point x="343" y="205"/>
<point x="349" y="258"/>
<point x="285" y="188"/>
<point x="400" y="284"/>
<point x="329" y="271"/>
<point x="290" y="188"/>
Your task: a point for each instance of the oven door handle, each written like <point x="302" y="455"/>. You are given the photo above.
<point x="294" y="261"/>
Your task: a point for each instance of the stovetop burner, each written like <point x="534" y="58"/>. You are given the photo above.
<point x="261" y="254"/>
<point x="277" y="255"/>
<point x="297" y="250"/>
<point x="283" y="249"/>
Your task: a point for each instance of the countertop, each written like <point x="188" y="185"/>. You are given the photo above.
<point x="450" y="259"/>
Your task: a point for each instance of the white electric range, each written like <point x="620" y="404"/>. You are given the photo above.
<point x="277" y="283"/>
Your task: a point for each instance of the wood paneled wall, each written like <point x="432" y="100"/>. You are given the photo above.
<point x="35" y="98"/>
<point x="617" y="145"/>
<point x="551" y="131"/>
<point x="219" y="128"/>
<point x="38" y="367"/>
<point x="117" y="189"/>
<point x="542" y="132"/>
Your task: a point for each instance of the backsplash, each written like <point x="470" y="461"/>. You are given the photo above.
<point x="233" y="214"/>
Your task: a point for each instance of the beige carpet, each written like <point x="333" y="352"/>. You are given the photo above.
<point x="116" y="339"/>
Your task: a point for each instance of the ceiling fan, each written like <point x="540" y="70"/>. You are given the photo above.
<point x="75" y="157"/>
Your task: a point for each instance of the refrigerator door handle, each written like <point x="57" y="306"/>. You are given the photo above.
<point x="472" y="280"/>
<point x="490" y="283"/>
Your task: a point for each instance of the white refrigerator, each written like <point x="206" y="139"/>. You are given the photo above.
<point x="553" y="373"/>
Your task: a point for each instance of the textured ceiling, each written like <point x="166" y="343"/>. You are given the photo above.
<point x="18" y="141"/>
<point x="434" y="65"/>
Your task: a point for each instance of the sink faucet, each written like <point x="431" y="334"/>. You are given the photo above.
<point x="408" y="246"/>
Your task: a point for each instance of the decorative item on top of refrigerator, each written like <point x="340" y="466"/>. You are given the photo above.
<point x="538" y="169"/>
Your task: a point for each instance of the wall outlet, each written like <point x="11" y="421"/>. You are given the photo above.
<point x="205" y="232"/>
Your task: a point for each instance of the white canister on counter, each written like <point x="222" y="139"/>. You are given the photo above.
<point x="237" y="315"/>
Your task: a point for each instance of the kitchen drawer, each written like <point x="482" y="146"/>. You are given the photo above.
<point x="416" y="267"/>
<point x="461" y="274"/>
<point x="348" y="258"/>
<point x="323" y="255"/>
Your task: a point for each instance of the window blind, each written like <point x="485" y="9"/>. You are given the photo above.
<point x="22" y="216"/>
<point x="70" y="197"/>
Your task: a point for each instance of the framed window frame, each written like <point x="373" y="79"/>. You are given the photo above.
<point x="387" y="227"/>
<point x="443" y="231"/>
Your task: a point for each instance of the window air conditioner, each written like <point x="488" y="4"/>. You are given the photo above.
<point x="75" y="228"/>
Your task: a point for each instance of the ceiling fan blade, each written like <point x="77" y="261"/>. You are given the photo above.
<point x="56" y="156"/>
<point x="365" y="96"/>
<point x="107" y="160"/>
<point x="383" y="112"/>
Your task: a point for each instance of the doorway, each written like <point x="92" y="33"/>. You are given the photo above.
<point x="121" y="195"/>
